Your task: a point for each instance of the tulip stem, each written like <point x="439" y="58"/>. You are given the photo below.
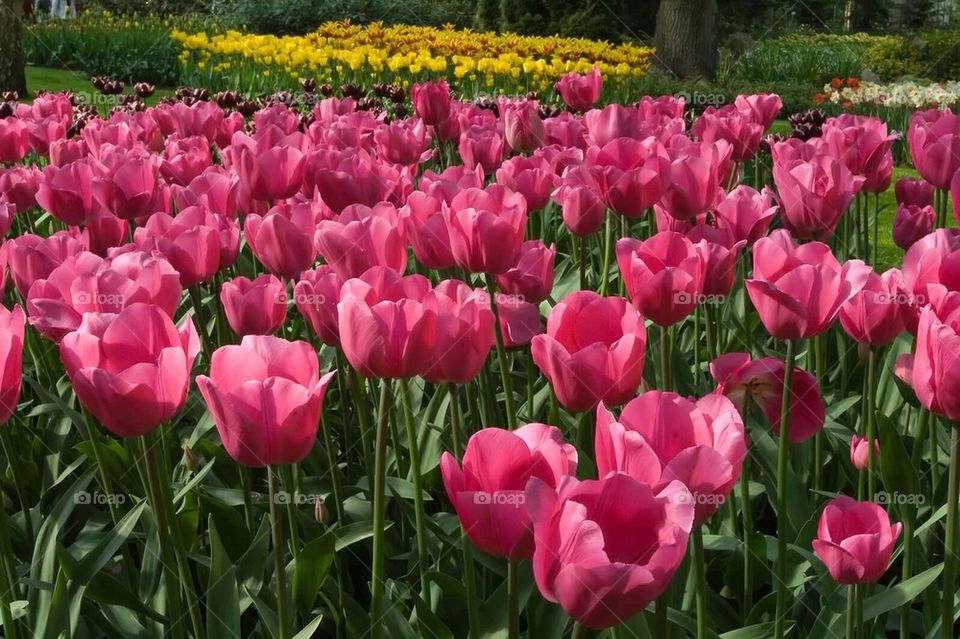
<point x="579" y="631"/>
<point x="377" y="578"/>
<point x="332" y="462"/>
<point x="414" y="445"/>
<point x="473" y="605"/>
<point x="607" y="250"/>
<point x="581" y="245"/>
<point x="502" y="354"/>
<point x="200" y="317"/>
<point x="907" y="571"/>
<point x="360" y="405"/>
<point x="950" y="542"/>
<point x="871" y="425"/>
<point x="289" y="484"/>
<point x="666" y="380"/>
<point x="279" y="563"/>
<point x="747" y="516"/>
<point x="851" y="611"/>
<point x="782" y="461"/>
<point x="701" y="581"/>
<point x="513" y="601"/>
<point x="9" y="587"/>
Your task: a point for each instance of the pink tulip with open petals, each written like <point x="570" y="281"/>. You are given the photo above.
<point x="798" y="289"/>
<point x="486" y="228"/>
<point x="746" y="212"/>
<point x="761" y="381"/>
<point x="728" y="124"/>
<point x="591" y="555"/>
<point x="934" y="366"/>
<point x="697" y="175"/>
<point x="593" y="350"/>
<point x="67" y="192"/>
<point x="763" y="108"/>
<point x="254" y="307"/>
<point x="531" y="278"/>
<point x="718" y="250"/>
<point x="405" y="142"/>
<point x="128" y="184"/>
<point x="131" y="369"/>
<point x="863" y="143"/>
<point x="283" y="238"/>
<point x="664" y="275"/>
<point x="532" y="176"/>
<point x="874" y="316"/>
<point x="266" y="397"/>
<point x="361" y="237"/>
<point x="487" y="491"/>
<point x="464" y="337"/>
<point x="855" y="540"/>
<point x="190" y="242"/>
<point x="633" y="174"/>
<point x="32" y="257"/>
<point x="814" y="194"/>
<point x="934" y="137"/>
<point x="580" y="92"/>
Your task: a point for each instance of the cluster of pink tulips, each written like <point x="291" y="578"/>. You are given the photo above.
<point x="650" y="363"/>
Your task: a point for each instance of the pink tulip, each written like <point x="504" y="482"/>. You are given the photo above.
<point x="728" y="124"/>
<point x="453" y="179"/>
<point x="405" y="142"/>
<point x="520" y="321"/>
<point x="67" y="150"/>
<point x="934" y="367"/>
<point x="423" y="224"/>
<point x="184" y="159"/>
<point x="19" y="184"/>
<point x="190" y="242"/>
<point x="634" y="175"/>
<point x="663" y="107"/>
<point x="763" y="108"/>
<point x="934" y="138"/>
<point x="615" y="121"/>
<point x="316" y="296"/>
<point x="483" y="146"/>
<point x="531" y="278"/>
<point x="532" y="176"/>
<point x="860" y="450"/>
<point x="719" y="251"/>
<point x="798" y="290"/>
<point x="32" y="257"/>
<point x="862" y="143"/>
<point x="8" y="210"/>
<point x="933" y="259"/>
<point x="746" y="213"/>
<point x="87" y="283"/>
<point x="254" y="307"/>
<point x="127" y="185"/>
<point x="855" y="540"/>
<point x="431" y="101"/>
<point x="215" y="189"/>
<point x="282" y="239"/>
<point x="912" y="223"/>
<point x="13" y="140"/>
<point x="486" y="228"/>
<point x="814" y="194"/>
<point x="67" y="192"/>
<point x="664" y="275"/>
<point x="696" y="179"/>
<point x="273" y="173"/>
<point x="580" y="92"/>
<point x="350" y="177"/>
<point x="593" y="350"/>
<point x="11" y="359"/>
<point x="914" y="191"/>
<point x="580" y="201"/>
<point x="955" y="195"/>
<point x="761" y="380"/>
<point x="522" y="125"/>
<point x="265" y="396"/>
<point x="592" y="558"/>
<point x="362" y="237"/>
<point x="464" y="335"/>
<point x="43" y="132"/>
<point x="488" y="491"/>
<point x="874" y="315"/>
<point x="130" y="369"/>
<point x="662" y="437"/>
<point x="106" y="231"/>
<point x="565" y="130"/>
<point x="386" y="328"/>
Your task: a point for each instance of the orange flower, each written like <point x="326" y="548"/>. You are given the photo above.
<point x="836" y="83"/>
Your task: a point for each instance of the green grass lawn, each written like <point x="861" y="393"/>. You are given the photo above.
<point x="76" y="81"/>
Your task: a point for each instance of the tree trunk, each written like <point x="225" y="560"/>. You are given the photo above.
<point x="12" y="76"/>
<point x="686" y="38"/>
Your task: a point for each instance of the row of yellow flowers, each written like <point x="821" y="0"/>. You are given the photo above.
<point x="341" y="51"/>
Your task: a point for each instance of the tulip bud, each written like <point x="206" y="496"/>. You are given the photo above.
<point x="320" y="512"/>
<point x="190" y="459"/>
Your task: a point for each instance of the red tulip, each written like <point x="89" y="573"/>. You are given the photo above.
<point x="664" y="275"/>
<point x="607" y="548"/>
<point x="282" y="239"/>
<point x="11" y="359"/>
<point x="87" y="283"/>
<point x="814" y="194"/>
<point x="386" y="329"/>
<point x="486" y="228"/>
<point x="190" y="242"/>
<point x="855" y="540"/>
<point x="859" y="451"/>
<point x="874" y="315"/>
<point x="661" y="437"/>
<point x="593" y="350"/>
<point x="634" y="175"/>
<point x="464" y="335"/>
<point x="316" y="296"/>
<point x="431" y="101"/>
<point x="580" y="92"/>
<point x="254" y="307"/>
<point x="67" y="192"/>
<point x="130" y="369"/>
<point x="488" y="491"/>
<point x="265" y="396"/>
<point x="914" y="191"/>
<point x="934" y="138"/>
<point x="761" y="380"/>
<point x="798" y="290"/>
<point x="362" y="237"/>
<point x="912" y="223"/>
<point x="531" y="278"/>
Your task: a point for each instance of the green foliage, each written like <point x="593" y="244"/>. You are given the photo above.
<point x="808" y="59"/>
<point x="931" y="54"/>
<point x="701" y="95"/>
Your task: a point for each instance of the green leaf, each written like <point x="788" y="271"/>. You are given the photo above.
<point x="901" y="594"/>
<point x="757" y="631"/>
<point x="311" y="569"/>
<point x="309" y="629"/>
<point x="223" y="600"/>
<point x="94" y="561"/>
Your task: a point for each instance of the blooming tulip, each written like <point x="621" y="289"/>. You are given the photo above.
<point x="911" y="223"/>
<point x="254" y="307"/>
<point x="741" y="131"/>
<point x="593" y="350"/>
<point x="282" y="239"/>
<point x="696" y="176"/>
<point x="874" y="315"/>
<point x="464" y="332"/>
<point x="855" y="540"/>
<point x="863" y="144"/>
<point x="405" y="142"/>
<point x="934" y="138"/>
<point x="362" y="237"/>
<point x="316" y="296"/>
<point x="532" y="176"/>
<point x="531" y="278"/>
<point x="763" y="108"/>
<point x="265" y="396"/>
<point x="11" y="359"/>
<point x="814" y="194"/>
<point x="913" y="191"/>
<point x="130" y="369"/>
<point x="32" y="257"/>
<point x="488" y="491"/>
<point x="580" y="92"/>
<point x="190" y="242"/>
<point x="127" y="186"/>
<point x="67" y="192"/>
<point x="633" y="174"/>
<point x="579" y="198"/>
<point x="486" y="228"/>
